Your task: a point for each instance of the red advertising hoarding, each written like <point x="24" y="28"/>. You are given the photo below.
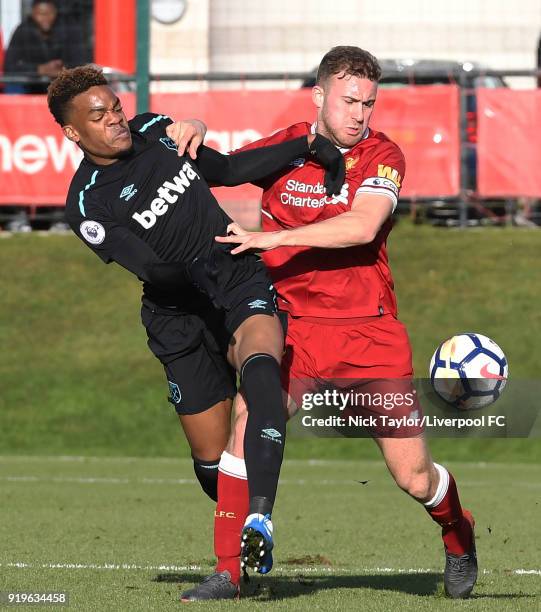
<point x="37" y="163"/>
<point x="422" y="120"/>
<point x="508" y="149"/>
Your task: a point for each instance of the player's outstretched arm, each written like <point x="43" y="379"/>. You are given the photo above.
<point x="356" y="226"/>
<point x="256" y="164"/>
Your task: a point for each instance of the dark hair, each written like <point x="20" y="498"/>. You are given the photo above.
<point x="349" y="60"/>
<point x="70" y="83"/>
<point x="53" y="2"/>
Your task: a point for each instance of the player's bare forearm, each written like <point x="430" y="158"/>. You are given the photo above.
<point x="359" y="225"/>
<point x="333" y="233"/>
<point x="348" y="229"/>
<point x="345" y="230"/>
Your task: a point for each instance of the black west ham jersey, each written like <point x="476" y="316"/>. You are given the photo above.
<point x="153" y="206"/>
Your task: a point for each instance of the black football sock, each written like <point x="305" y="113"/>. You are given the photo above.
<point x="265" y="434"/>
<point x="207" y="474"/>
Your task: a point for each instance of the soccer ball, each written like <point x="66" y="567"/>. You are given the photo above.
<point x="468" y="371"/>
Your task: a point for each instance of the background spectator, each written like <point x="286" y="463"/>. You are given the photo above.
<point x="39" y="46"/>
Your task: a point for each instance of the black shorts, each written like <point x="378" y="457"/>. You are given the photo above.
<point x="191" y="341"/>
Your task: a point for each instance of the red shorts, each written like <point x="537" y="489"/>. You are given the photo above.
<point x="370" y="357"/>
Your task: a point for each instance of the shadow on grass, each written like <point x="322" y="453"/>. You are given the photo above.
<point x="288" y="587"/>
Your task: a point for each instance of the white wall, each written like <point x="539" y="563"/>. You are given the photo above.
<point x="294" y="34"/>
<point x="280" y="35"/>
<point x="182" y="47"/>
<point x="10" y="18"/>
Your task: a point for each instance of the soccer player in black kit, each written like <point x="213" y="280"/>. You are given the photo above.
<point x="138" y="201"/>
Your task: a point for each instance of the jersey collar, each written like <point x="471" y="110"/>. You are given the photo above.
<point x="342" y="150"/>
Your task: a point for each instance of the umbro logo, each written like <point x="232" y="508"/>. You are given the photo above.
<point x="128" y="192"/>
<point x="257" y="304"/>
<point x="271" y="434"/>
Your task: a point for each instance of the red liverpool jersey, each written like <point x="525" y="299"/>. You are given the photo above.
<point x="334" y="283"/>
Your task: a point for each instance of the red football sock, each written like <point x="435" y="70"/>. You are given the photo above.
<point x="230" y="514"/>
<point x="445" y="509"/>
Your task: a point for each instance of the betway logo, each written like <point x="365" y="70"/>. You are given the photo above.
<point x="166" y="195"/>
<point x="30" y="153"/>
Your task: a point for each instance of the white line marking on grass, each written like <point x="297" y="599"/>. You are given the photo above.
<point x="90" y="459"/>
<point x="149" y="481"/>
<point x="100" y="480"/>
<point x="193" y="481"/>
<point x="103" y="566"/>
<point x="283" y="568"/>
<point x="177" y="460"/>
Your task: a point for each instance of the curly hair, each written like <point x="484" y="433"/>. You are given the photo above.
<point x="349" y="60"/>
<point x="68" y="84"/>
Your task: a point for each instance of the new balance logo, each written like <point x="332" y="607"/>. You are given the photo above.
<point x="257" y="304"/>
<point x="128" y="192"/>
<point x="271" y="434"/>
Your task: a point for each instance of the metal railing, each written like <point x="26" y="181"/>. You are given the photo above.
<point x="458" y="76"/>
<point x="464" y="79"/>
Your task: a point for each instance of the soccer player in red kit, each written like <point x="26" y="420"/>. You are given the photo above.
<point x="328" y="260"/>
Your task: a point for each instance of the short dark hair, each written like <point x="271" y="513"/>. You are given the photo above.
<point x="53" y="2"/>
<point x="349" y="60"/>
<point x="70" y="83"/>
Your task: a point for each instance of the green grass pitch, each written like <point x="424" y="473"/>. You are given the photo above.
<point x="76" y="376"/>
<point x="131" y="534"/>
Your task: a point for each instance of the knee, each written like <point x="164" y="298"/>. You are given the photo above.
<point x="240" y="416"/>
<point x="236" y="441"/>
<point x="415" y="482"/>
<point x="208" y="452"/>
<point x="259" y="334"/>
<point x="240" y="409"/>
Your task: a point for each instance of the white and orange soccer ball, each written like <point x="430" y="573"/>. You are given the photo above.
<point x="468" y="371"/>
